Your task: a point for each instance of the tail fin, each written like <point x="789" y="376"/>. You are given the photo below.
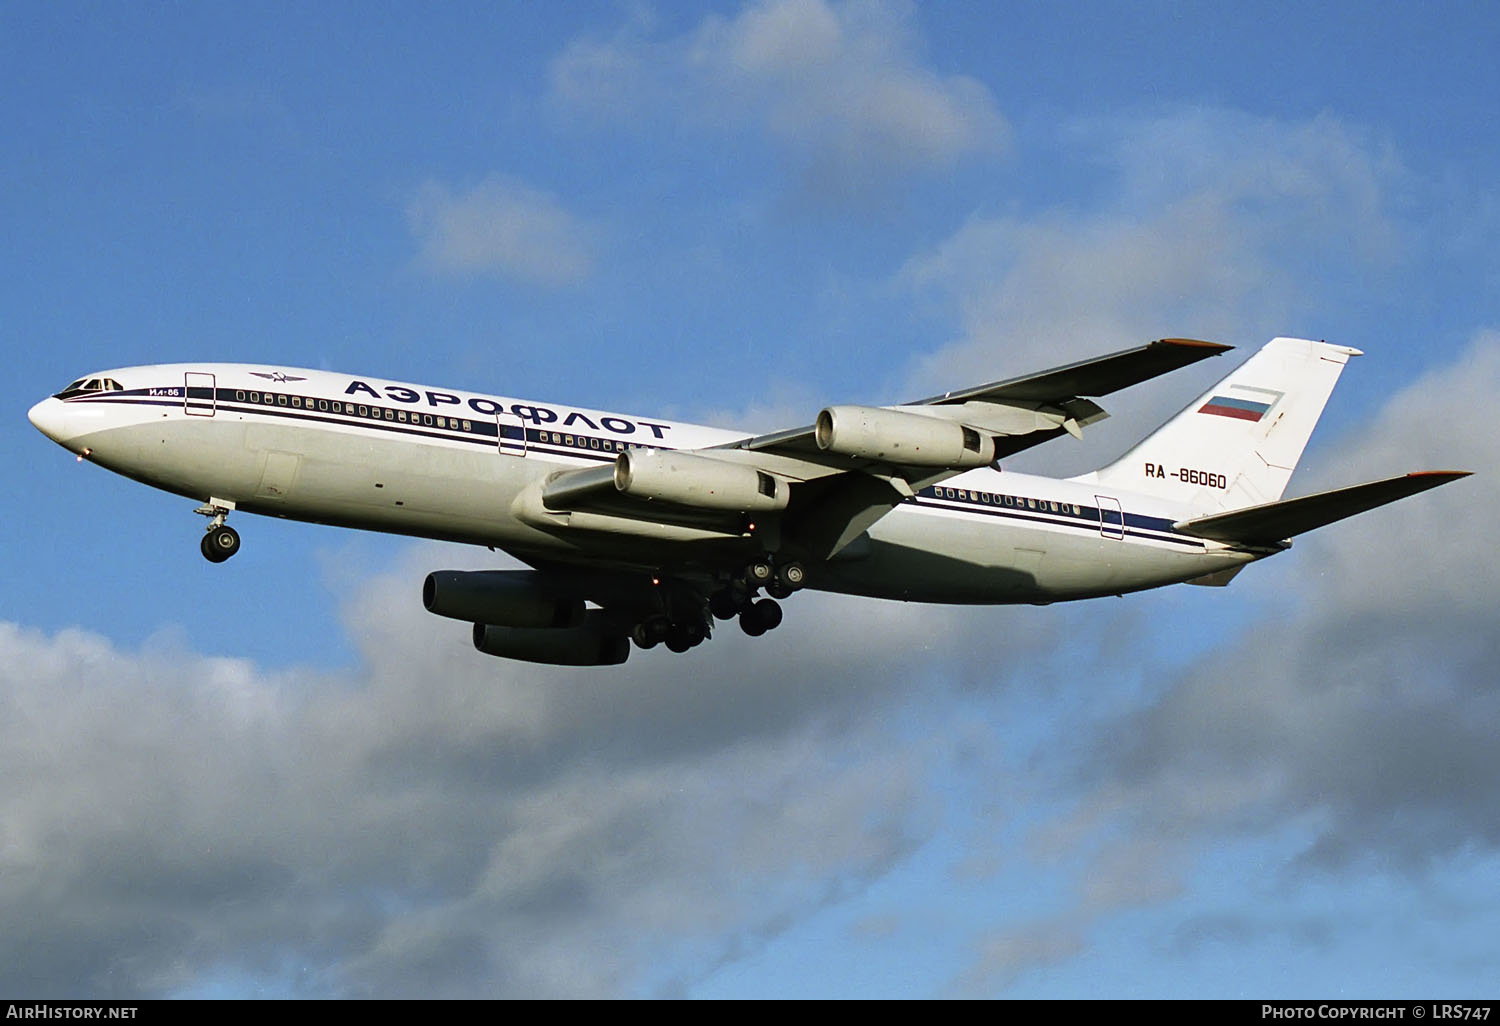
<point x="1238" y="443"/>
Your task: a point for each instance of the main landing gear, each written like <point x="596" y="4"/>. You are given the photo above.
<point x="685" y="623"/>
<point x="738" y="597"/>
<point x="678" y="635"/>
<point x="220" y="541"/>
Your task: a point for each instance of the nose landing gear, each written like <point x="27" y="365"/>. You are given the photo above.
<point x="220" y="541"/>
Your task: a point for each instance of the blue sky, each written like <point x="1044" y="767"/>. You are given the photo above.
<point x="279" y="776"/>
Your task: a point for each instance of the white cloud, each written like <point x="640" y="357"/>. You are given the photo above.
<point x="841" y="86"/>
<point x="1212" y="227"/>
<point x="1360" y="714"/>
<point x="502" y="227"/>
<point x="440" y="823"/>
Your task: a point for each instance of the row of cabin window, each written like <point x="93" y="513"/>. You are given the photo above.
<point x="351" y="409"/>
<point x="587" y="441"/>
<point x="991" y="499"/>
<point x="425" y="419"/>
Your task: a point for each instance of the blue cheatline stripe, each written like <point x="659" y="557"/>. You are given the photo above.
<point x="538" y="440"/>
<point x="481" y="429"/>
<point x="1136" y="525"/>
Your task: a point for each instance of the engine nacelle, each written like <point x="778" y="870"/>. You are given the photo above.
<point x="511" y="598"/>
<point x="591" y="643"/>
<point x="699" y="481"/>
<point x="874" y="433"/>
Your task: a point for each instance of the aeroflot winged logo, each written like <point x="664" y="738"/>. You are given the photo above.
<point x="278" y="376"/>
<point x="1242" y="403"/>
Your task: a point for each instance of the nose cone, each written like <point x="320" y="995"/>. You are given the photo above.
<point x="50" y="418"/>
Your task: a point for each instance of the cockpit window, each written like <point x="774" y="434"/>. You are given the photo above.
<point x="86" y="385"/>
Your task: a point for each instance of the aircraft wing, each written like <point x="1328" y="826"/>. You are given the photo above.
<point x="1066" y="388"/>
<point x="835" y="496"/>
<point x="1273" y="522"/>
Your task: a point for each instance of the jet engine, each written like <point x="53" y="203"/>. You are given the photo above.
<point x="874" y="433"/>
<point x="700" y="481"/>
<point x="510" y="598"/>
<point x="590" y="643"/>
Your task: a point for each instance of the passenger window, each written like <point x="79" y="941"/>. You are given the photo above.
<point x="297" y="401"/>
<point x="240" y="396"/>
<point x="281" y="400"/>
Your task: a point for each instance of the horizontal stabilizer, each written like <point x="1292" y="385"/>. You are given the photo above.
<point x="1275" y="521"/>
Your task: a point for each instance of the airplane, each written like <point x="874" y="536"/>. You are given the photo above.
<point x="644" y="532"/>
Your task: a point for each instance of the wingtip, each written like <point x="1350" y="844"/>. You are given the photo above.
<point x="1446" y="475"/>
<point x="1215" y="348"/>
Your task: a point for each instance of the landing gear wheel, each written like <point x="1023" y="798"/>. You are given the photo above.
<point x="678" y="640"/>
<point x="642" y="636"/>
<point x="769" y="613"/>
<point x="765" y="615"/>
<point x="778" y="589"/>
<point x="791" y="576"/>
<point x="725" y="604"/>
<point x="220" y="543"/>
<point x="759" y="572"/>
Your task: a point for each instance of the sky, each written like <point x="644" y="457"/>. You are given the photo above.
<point x="280" y="777"/>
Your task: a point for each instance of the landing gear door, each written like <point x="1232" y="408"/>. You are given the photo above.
<point x="198" y="394"/>
<point x="510" y="434"/>
<point x="1111" y="518"/>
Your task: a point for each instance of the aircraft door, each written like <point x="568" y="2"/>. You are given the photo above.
<point x="198" y="394"/>
<point x="1111" y="518"/>
<point x="510" y="434"/>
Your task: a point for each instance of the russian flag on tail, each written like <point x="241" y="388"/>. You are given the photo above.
<point x="1242" y="403"/>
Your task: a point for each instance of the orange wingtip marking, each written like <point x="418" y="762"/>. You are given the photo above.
<point x="1195" y="342"/>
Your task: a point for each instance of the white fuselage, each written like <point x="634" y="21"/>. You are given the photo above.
<point x="438" y="463"/>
